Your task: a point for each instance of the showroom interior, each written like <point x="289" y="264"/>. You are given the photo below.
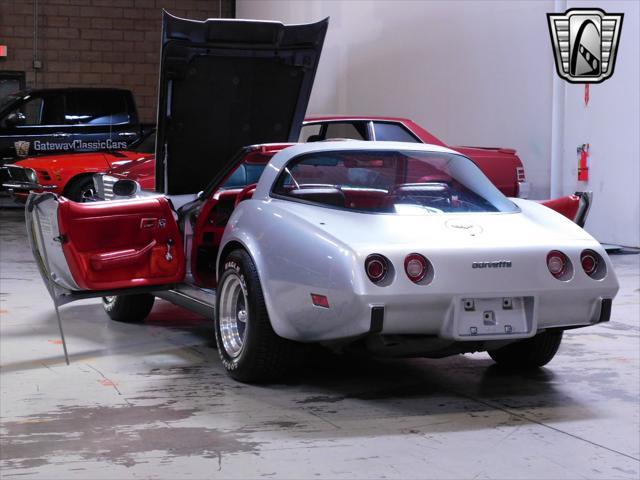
<point x="87" y="392"/>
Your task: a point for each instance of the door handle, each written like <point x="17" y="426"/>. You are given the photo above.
<point x="60" y="134"/>
<point x="148" y="223"/>
<point x="126" y="134"/>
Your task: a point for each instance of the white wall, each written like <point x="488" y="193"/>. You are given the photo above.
<point x="611" y="124"/>
<point x="473" y="73"/>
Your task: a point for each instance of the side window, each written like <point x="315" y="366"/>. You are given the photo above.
<point x="237" y="179"/>
<point x="42" y="110"/>
<point x="53" y="110"/>
<point x="96" y="108"/>
<point x="393" y="132"/>
<point x="32" y="110"/>
<point x="355" y="131"/>
<point x="310" y="133"/>
<point x="254" y="172"/>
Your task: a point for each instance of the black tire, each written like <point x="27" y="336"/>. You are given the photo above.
<point x="128" y="308"/>
<point x="81" y="189"/>
<point x="263" y="355"/>
<point x="530" y="353"/>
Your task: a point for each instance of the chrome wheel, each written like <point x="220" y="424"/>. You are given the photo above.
<point x="233" y="315"/>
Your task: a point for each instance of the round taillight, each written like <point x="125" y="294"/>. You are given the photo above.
<point x="376" y="267"/>
<point x="416" y="267"/>
<point x="589" y="260"/>
<point x="557" y="263"/>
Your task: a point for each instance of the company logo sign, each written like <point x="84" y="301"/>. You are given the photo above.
<point x="585" y="43"/>
<point x="78" y="145"/>
<point x="22" y="148"/>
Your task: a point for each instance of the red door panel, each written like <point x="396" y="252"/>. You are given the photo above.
<point x="114" y="245"/>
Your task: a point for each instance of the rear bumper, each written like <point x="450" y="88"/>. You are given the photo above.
<point x="524" y="189"/>
<point x="441" y="316"/>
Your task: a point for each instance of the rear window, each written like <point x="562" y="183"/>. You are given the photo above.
<point x="97" y="108"/>
<point x="392" y="132"/>
<point x="395" y="182"/>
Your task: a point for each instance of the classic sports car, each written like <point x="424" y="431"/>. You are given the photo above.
<point x="401" y="249"/>
<point x="70" y="174"/>
<point x="407" y="250"/>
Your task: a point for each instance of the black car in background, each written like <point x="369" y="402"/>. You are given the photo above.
<point x="45" y="121"/>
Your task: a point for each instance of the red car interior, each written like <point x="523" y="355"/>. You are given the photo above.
<point x="213" y="217"/>
<point x="121" y="244"/>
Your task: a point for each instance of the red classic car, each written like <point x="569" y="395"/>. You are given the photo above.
<point x="70" y="174"/>
<point x="501" y="165"/>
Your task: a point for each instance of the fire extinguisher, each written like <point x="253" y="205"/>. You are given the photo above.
<point x="583" y="162"/>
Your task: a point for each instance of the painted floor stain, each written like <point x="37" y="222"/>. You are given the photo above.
<point x="121" y="434"/>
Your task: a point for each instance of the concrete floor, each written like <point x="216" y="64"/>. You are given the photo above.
<point x="153" y="401"/>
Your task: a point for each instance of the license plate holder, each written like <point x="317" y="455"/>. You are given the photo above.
<point x="494" y="317"/>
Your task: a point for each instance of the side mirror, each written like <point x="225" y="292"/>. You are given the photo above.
<point x="15" y="119"/>
<point x="126" y="188"/>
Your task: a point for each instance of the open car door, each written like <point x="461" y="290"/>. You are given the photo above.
<point x="88" y="250"/>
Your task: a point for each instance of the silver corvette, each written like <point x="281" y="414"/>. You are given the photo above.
<point x="403" y="249"/>
<point x="396" y="248"/>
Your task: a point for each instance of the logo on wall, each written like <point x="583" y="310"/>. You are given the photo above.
<point x="22" y="148"/>
<point x="585" y="43"/>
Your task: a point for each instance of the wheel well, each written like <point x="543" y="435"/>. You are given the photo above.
<point x="75" y="180"/>
<point x="228" y="248"/>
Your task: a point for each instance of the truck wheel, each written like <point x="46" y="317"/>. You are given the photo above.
<point x="81" y="189"/>
<point x="128" y="308"/>
<point x="249" y="348"/>
<point x="530" y="353"/>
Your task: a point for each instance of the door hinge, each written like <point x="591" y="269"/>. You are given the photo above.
<point x="62" y="239"/>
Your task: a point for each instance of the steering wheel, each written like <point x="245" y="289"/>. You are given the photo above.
<point x="245" y="193"/>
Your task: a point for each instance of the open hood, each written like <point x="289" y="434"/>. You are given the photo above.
<point x="226" y="84"/>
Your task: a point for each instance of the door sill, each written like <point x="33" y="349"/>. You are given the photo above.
<point x="191" y="297"/>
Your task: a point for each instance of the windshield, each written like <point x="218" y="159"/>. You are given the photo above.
<point x="398" y="182"/>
